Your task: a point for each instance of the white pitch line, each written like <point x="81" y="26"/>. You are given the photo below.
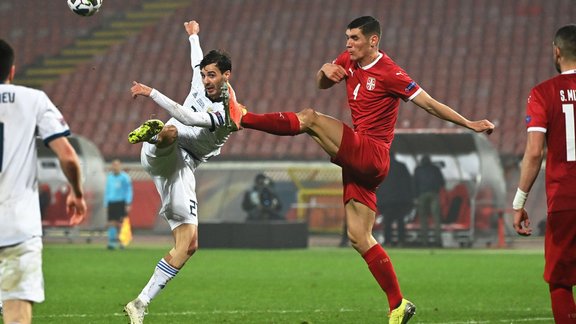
<point x="290" y="311"/>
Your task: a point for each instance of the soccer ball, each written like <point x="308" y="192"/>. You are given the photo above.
<point x="85" y="7"/>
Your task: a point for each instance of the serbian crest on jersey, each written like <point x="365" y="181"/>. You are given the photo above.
<point x="370" y="83"/>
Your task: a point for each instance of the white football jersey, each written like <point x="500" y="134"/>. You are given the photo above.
<point x="23" y="112"/>
<point x="200" y="142"/>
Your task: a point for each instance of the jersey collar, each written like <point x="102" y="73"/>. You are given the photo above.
<point x="569" y="72"/>
<point x="366" y="67"/>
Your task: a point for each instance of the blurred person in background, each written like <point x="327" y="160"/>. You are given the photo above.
<point x="25" y="112"/>
<point x="550" y="114"/>
<point x="118" y="200"/>
<point x="428" y="182"/>
<point x="395" y="199"/>
<point x="261" y="201"/>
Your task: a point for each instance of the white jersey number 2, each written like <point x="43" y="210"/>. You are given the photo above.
<point x="568" y="110"/>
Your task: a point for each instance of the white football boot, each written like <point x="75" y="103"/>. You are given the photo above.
<point x="136" y="310"/>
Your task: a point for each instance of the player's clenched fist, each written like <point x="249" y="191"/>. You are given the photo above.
<point x="192" y="27"/>
<point x="334" y="72"/>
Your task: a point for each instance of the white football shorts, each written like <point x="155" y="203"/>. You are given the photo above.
<point x="172" y="170"/>
<point x="21" y="271"/>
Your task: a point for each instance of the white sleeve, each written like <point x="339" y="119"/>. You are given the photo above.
<point x="184" y="115"/>
<point x="196" y="57"/>
<point x="50" y="121"/>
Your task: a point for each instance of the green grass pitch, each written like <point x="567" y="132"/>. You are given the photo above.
<point x="88" y="284"/>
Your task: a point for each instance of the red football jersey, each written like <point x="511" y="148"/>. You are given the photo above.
<point x="374" y="93"/>
<point x="551" y="109"/>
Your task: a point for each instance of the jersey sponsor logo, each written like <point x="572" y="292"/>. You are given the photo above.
<point x="370" y="83"/>
<point x="410" y="86"/>
<point x="200" y="102"/>
<point x="528" y="119"/>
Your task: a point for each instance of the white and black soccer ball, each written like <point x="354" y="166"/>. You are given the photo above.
<point x="84" y="7"/>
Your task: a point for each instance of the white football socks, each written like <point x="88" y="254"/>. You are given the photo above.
<point x="162" y="274"/>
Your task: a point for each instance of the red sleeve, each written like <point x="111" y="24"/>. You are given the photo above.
<point x="536" y="110"/>
<point x="343" y="59"/>
<point x="400" y="84"/>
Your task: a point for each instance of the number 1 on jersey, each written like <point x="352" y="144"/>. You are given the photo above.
<point x="568" y="110"/>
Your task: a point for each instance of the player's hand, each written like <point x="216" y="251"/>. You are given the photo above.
<point x="482" y="126"/>
<point x="75" y="208"/>
<point x="192" y="27"/>
<point x="334" y="72"/>
<point x="522" y="222"/>
<point x="140" y="89"/>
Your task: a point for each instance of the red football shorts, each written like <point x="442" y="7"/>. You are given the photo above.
<point x="560" y="248"/>
<point x="365" y="162"/>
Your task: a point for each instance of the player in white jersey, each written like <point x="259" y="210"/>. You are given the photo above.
<point x="23" y="111"/>
<point x="172" y="152"/>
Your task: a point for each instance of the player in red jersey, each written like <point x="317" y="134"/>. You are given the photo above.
<point x="375" y="85"/>
<point x="550" y="119"/>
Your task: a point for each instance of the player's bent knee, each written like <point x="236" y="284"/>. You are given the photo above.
<point x="353" y="239"/>
<point x="169" y="131"/>
<point x="307" y="116"/>
<point x="167" y="136"/>
<point x="358" y="242"/>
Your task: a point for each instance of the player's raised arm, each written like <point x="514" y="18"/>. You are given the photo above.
<point x="192" y="27"/>
<point x="442" y="111"/>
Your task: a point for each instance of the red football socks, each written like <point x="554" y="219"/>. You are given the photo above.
<point x="381" y="267"/>
<point x="563" y="306"/>
<point x="279" y="123"/>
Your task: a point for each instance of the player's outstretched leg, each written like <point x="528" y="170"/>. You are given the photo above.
<point x="146" y="131"/>
<point x="232" y="109"/>
<point x="135" y="311"/>
<point x="403" y="313"/>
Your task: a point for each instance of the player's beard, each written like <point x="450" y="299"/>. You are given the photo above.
<point x="557" y="65"/>
<point x="215" y="93"/>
